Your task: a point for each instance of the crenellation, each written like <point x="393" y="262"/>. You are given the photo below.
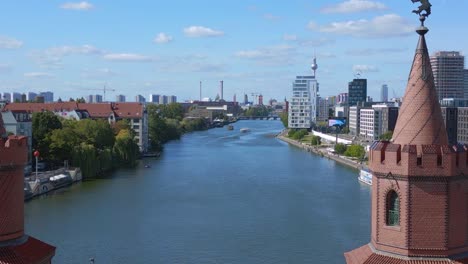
<point x="13" y="151"/>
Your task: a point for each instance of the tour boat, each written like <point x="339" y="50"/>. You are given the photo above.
<point x="244" y="130"/>
<point x="365" y="176"/>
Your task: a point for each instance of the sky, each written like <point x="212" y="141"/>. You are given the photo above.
<point x="167" y="47"/>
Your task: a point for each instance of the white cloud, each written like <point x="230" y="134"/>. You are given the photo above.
<point x="199" y="31"/>
<point x="312" y="25"/>
<point x="71" y="50"/>
<point x="353" y="6"/>
<point x="288" y="37"/>
<point x="319" y="42"/>
<point x="162" y="38"/>
<point x="77" y="6"/>
<point x="9" y="43"/>
<point x="126" y="57"/>
<point x="365" y="68"/>
<point x="38" y="75"/>
<point x="390" y="25"/>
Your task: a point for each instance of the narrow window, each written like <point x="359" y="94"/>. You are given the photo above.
<point x="393" y="209"/>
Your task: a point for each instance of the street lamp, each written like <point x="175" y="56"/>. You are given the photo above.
<point x="36" y="154"/>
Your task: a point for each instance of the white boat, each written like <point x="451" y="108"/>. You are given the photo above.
<point x="365" y="176"/>
<point x="244" y="130"/>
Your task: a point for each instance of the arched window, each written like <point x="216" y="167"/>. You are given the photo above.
<point x="393" y="209"/>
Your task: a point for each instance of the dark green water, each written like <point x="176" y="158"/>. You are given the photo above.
<point x="215" y="196"/>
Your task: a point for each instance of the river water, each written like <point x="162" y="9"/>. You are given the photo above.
<point x="215" y="196"/>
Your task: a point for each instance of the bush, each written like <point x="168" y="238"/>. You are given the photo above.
<point x="299" y="134"/>
<point x="316" y="140"/>
<point x="340" y="148"/>
<point x="356" y="151"/>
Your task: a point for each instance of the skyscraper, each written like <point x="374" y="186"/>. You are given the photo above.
<point x="448" y="70"/>
<point x="384" y="93"/>
<point x="246" y="99"/>
<point x="419" y="198"/>
<point x="465" y="73"/>
<point x="171" y="99"/>
<point x="120" y="98"/>
<point x="154" y="98"/>
<point x="140" y="99"/>
<point x="260" y="99"/>
<point x="48" y="96"/>
<point x="357" y="91"/>
<point x="163" y="99"/>
<point x="31" y="96"/>
<point x="303" y="105"/>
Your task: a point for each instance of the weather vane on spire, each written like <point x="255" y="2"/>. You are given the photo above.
<point x="424" y="7"/>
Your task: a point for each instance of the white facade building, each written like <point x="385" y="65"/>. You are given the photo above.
<point x="354" y="117"/>
<point x="303" y="104"/>
<point x="322" y="112"/>
<point x="368" y="127"/>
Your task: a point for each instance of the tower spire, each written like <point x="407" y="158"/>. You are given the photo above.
<point x="314" y="65"/>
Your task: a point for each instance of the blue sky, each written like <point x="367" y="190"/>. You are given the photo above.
<point x="167" y="47"/>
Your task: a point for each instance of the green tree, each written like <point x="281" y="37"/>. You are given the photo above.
<point x="43" y="123"/>
<point x="126" y="150"/>
<point x="386" y="136"/>
<point x="316" y="140"/>
<point x="284" y="118"/>
<point x="356" y="151"/>
<point x="96" y="132"/>
<point x="61" y="144"/>
<point x="340" y="148"/>
<point x="85" y="157"/>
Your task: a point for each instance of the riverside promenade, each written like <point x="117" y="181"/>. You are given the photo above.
<point x="320" y="151"/>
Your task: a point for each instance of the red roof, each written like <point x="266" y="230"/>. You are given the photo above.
<point x="365" y="255"/>
<point x="32" y="252"/>
<point x="103" y="110"/>
<point x="128" y="110"/>
<point x="40" y="107"/>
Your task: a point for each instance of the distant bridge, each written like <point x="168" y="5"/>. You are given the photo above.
<point x="258" y="118"/>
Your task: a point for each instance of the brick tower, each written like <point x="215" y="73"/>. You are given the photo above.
<point x="419" y="183"/>
<point x="15" y="246"/>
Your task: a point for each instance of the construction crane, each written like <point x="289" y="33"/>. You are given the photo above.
<point x="104" y="90"/>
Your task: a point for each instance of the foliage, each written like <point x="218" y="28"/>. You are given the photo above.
<point x="356" y="151"/>
<point x="126" y="150"/>
<point x="43" y="123"/>
<point x="345" y="130"/>
<point x="340" y="148"/>
<point x="193" y="124"/>
<point x="316" y="140"/>
<point x="260" y="110"/>
<point x="284" y="118"/>
<point x="85" y="157"/>
<point x="297" y="134"/>
<point x="386" y="136"/>
<point x="96" y="132"/>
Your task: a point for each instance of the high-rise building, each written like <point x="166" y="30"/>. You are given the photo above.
<point x="354" y="119"/>
<point x="163" y="99"/>
<point x="303" y="105"/>
<point x="154" y="98"/>
<point x="31" y="96"/>
<point x="120" y="98"/>
<point x="171" y="99"/>
<point x="48" y="96"/>
<point x="260" y="99"/>
<point x="89" y="99"/>
<point x="331" y="100"/>
<point x="419" y="198"/>
<point x="342" y="99"/>
<point x="384" y="93"/>
<point x="322" y="109"/>
<point x="15" y="97"/>
<point x="448" y="70"/>
<point x="221" y="90"/>
<point x="376" y="120"/>
<point x="465" y="79"/>
<point x="15" y="245"/>
<point x="7" y="97"/>
<point x="357" y="91"/>
<point x="246" y="99"/>
<point x="140" y="99"/>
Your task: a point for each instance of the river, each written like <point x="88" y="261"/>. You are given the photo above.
<point x="214" y="196"/>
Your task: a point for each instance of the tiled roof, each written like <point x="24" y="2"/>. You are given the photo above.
<point x="365" y="255"/>
<point x="128" y="110"/>
<point x="103" y="110"/>
<point x="420" y="119"/>
<point x="32" y="252"/>
<point x="39" y="107"/>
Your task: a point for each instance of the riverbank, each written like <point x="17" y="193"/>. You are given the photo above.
<point x="320" y="151"/>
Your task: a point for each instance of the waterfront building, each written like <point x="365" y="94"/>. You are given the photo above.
<point x="153" y="98"/>
<point x="322" y="109"/>
<point x="375" y="121"/>
<point x="419" y="199"/>
<point x="357" y="91"/>
<point x="140" y="99"/>
<point x="384" y="93"/>
<point x="303" y="105"/>
<point x="120" y="98"/>
<point x="15" y="245"/>
<point x="354" y="119"/>
<point x="448" y="70"/>
<point x="342" y="99"/>
<point x="48" y="96"/>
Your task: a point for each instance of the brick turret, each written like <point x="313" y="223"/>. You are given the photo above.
<point x="419" y="183"/>
<point x="15" y="246"/>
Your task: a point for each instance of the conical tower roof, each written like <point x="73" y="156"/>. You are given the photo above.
<point x="420" y="119"/>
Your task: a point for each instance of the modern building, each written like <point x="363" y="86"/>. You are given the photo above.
<point x="357" y="91"/>
<point x="377" y="120"/>
<point x="384" y="93"/>
<point x="48" y="96"/>
<point x="322" y="109"/>
<point x="342" y="99"/>
<point x="19" y="124"/>
<point x="331" y="101"/>
<point x="450" y="116"/>
<point x="354" y="119"/>
<point x="120" y="98"/>
<point x="171" y="99"/>
<point x="15" y="97"/>
<point x="15" y="245"/>
<point x="246" y="99"/>
<point x="94" y="98"/>
<point x="465" y="74"/>
<point x="419" y="199"/>
<point x="163" y="99"/>
<point x="448" y="71"/>
<point x="462" y="125"/>
<point x="7" y="97"/>
<point x="31" y="96"/>
<point x="260" y="100"/>
<point x="303" y="105"/>
<point x="153" y="98"/>
<point x="140" y="99"/>
<point x="342" y="111"/>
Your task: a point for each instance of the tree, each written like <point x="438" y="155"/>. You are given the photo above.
<point x="96" y="132"/>
<point x="386" y="136"/>
<point x="126" y="150"/>
<point x="61" y="144"/>
<point x="284" y="118"/>
<point x="316" y="140"/>
<point x="340" y="148"/>
<point x="356" y="151"/>
<point x="43" y="123"/>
